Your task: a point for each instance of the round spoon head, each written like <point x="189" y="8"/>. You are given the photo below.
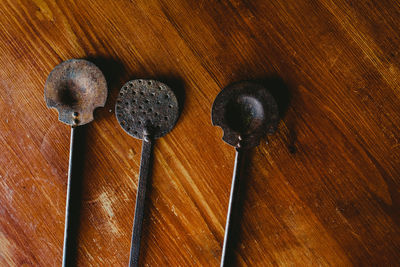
<point x="245" y="111"/>
<point x="146" y="107"/>
<point x="75" y="88"/>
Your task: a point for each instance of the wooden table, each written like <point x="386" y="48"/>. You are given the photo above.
<point x="324" y="191"/>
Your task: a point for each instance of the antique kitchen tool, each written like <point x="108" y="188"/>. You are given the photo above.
<point x="75" y="88"/>
<point x="245" y="111"/>
<point x="147" y="110"/>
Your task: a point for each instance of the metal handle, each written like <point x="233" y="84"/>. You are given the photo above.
<point x="144" y="174"/>
<point x="239" y="162"/>
<point x="68" y="227"/>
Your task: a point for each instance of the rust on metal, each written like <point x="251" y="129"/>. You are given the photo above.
<point x="245" y="111"/>
<point x="146" y="107"/>
<point x="75" y="88"/>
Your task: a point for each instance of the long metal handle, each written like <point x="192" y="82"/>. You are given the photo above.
<point x="144" y="174"/>
<point x="239" y="161"/>
<point x="68" y="227"/>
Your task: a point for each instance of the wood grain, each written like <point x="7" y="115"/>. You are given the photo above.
<point x="324" y="191"/>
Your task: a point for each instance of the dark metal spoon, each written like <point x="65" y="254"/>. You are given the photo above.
<point x="75" y="88"/>
<point x="245" y="111"/>
<point x="147" y="110"/>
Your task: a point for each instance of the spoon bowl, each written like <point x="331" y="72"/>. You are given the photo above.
<point x="245" y="111"/>
<point x="147" y="107"/>
<point x="75" y="88"/>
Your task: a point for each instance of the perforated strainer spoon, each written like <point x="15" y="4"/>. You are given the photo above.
<point x="245" y="111"/>
<point x="147" y="110"/>
<point x="75" y="88"/>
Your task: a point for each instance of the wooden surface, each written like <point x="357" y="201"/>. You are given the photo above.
<point x="324" y="191"/>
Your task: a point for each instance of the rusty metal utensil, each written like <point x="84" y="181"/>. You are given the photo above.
<point x="75" y="88"/>
<point x="147" y="110"/>
<point x="245" y="111"/>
